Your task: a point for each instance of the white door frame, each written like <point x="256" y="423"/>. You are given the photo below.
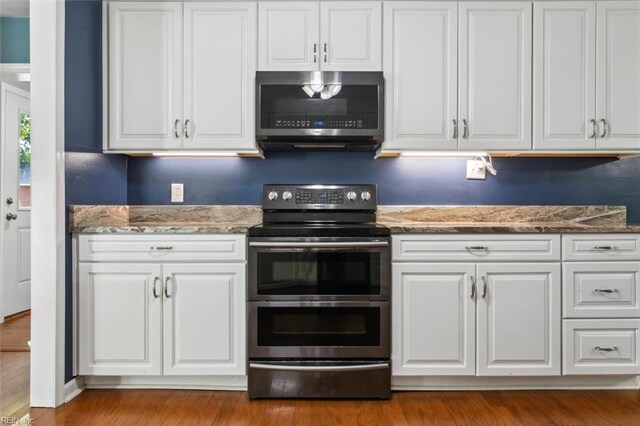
<point x="48" y="203"/>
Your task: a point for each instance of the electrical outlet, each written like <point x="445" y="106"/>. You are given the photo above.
<point x="177" y="193"/>
<point x="476" y="170"/>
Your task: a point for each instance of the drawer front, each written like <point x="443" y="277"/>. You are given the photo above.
<point x="601" y="247"/>
<point x="161" y="248"/>
<point x="475" y="248"/>
<point x="601" y="290"/>
<point x="601" y="346"/>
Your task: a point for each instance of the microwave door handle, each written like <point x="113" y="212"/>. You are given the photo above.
<point x="329" y="368"/>
<point x="344" y="244"/>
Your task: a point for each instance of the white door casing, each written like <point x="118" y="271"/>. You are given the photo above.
<point x="204" y="319"/>
<point x="421" y="69"/>
<point x="145" y="75"/>
<point x="617" y="71"/>
<point x="288" y="36"/>
<point x="351" y="36"/>
<point x="519" y="319"/>
<point x="495" y="75"/>
<point x="564" y="94"/>
<point x="15" y="234"/>
<point x="219" y="71"/>
<point x="433" y="319"/>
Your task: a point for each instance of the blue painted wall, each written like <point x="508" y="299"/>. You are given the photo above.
<point x="14" y="40"/>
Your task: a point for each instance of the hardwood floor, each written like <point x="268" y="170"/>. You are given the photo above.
<point x="14" y="366"/>
<point x="178" y="407"/>
<point x="15" y="333"/>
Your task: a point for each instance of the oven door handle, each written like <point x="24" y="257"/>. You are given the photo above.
<point x="331" y="368"/>
<point x="344" y="244"/>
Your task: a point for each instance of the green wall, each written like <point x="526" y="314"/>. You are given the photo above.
<point x="14" y="40"/>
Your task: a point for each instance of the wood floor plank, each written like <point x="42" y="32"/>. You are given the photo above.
<point x="15" y="333"/>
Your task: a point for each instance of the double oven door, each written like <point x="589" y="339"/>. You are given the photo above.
<point x="319" y="298"/>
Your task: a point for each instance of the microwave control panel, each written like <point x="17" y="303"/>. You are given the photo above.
<point x="319" y="124"/>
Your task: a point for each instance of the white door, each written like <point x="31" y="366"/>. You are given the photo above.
<point x="204" y="319"/>
<point x="288" y="36"/>
<point x="618" y="71"/>
<point x="495" y="76"/>
<point x="351" y="35"/>
<point x="15" y="200"/>
<point x="421" y="73"/>
<point x="564" y="75"/>
<point x="433" y="319"/>
<point x="519" y="318"/>
<point x="219" y="73"/>
<point x="145" y="75"/>
<point x="119" y="319"/>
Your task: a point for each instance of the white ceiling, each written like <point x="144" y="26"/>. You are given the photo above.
<point x="14" y="7"/>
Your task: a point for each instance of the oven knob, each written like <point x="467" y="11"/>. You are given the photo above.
<point x="273" y="195"/>
<point x="351" y="196"/>
<point x="286" y="195"/>
<point x="366" y="196"/>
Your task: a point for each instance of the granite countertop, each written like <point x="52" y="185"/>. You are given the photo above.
<point x="400" y="219"/>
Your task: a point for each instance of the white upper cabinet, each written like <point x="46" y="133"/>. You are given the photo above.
<point x="288" y="36"/>
<point x="421" y="68"/>
<point x="495" y="76"/>
<point x="309" y="36"/>
<point x="351" y="36"/>
<point x="618" y="75"/>
<point x="219" y="73"/>
<point x="145" y="75"/>
<point x="564" y="95"/>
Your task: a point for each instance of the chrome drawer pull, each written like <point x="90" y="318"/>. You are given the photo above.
<point x="155" y="287"/>
<point x="608" y="248"/>
<point x="166" y="288"/>
<point x="477" y="248"/>
<point x="162" y="248"/>
<point x="334" y="368"/>
<point x="606" y="290"/>
<point x="485" y="288"/>
<point x="473" y="287"/>
<point x="601" y="349"/>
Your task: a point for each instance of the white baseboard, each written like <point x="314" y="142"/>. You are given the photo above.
<point x="73" y="388"/>
<point x="451" y="383"/>
<point x="228" y="383"/>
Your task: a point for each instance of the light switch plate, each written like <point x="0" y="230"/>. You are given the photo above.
<point x="177" y="193"/>
<point x="476" y="170"/>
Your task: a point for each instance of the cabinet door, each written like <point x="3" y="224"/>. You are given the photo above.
<point x="564" y="84"/>
<point x="219" y="73"/>
<point x="433" y="319"/>
<point x="119" y="322"/>
<point x="351" y="36"/>
<point x="495" y="76"/>
<point x="618" y="68"/>
<point x="421" y="71"/>
<point x="204" y="319"/>
<point x="145" y="76"/>
<point x="288" y="36"/>
<point x="519" y="319"/>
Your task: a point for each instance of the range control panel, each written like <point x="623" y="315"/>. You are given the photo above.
<point x="319" y="124"/>
<point x="319" y="197"/>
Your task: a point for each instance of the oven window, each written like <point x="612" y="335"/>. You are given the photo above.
<point x="293" y="107"/>
<point x="322" y="326"/>
<point x="318" y="273"/>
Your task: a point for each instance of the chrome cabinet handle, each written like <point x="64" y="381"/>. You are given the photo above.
<point x="607" y="248"/>
<point x="605" y="128"/>
<point x="476" y="248"/>
<point x="473" y="287"/>
<point x="315" y="53"/>
<point x="166" y="288"/>
<point x="485" y="288"/>
<point x="175" y="128"/>
<point x="594" y="126"/>
<point x="325" y="53"/>
<point x="186" y="128"/>
<point x="606" y="290"/>
<point x="162" y="248"/>
<point x="455" y="128"/>
<point x="155" y="287"/>
<point x="465" y="128"/>
<point x="603" y="349"/>
<point x="11" y="216"/>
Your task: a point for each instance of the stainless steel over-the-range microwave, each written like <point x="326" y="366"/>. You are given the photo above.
<point x="319" y="110"/>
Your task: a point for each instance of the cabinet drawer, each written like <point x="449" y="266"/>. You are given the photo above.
<point x="601" y="247"/>
<point x="161" y="248"/>
<point x="477" y="248"/>
<point x="607" y="346"/>
<point x="601" y="290"/>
